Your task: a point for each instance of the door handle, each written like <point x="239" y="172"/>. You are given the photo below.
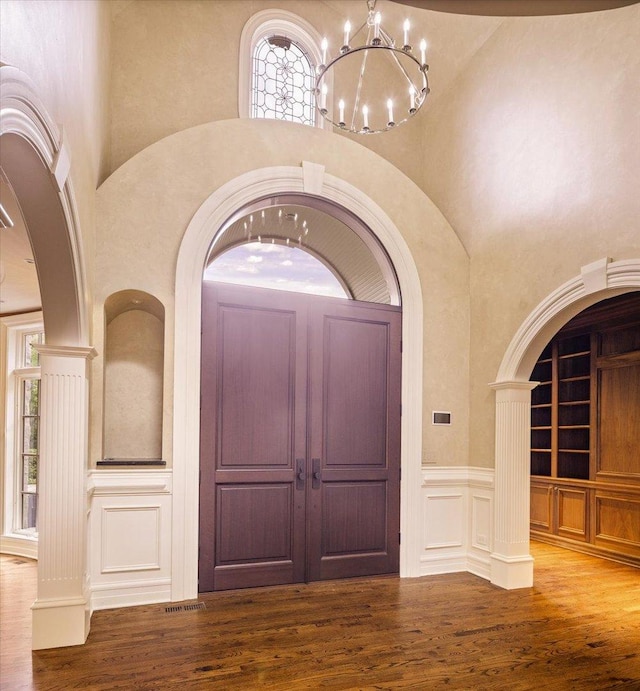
<point x="317" y="476"/>
<point x="301" y="476"/>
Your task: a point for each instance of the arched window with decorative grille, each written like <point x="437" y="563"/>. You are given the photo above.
<point x="282" y="81"/>
<point x="279" y="52"/>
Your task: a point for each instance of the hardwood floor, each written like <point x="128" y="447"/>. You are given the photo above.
<point x="578" y="628"/>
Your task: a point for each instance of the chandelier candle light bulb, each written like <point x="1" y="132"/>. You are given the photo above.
<point x="367" y="58"/>
<point x="376" y="27"/>
<point x="347" y="31"/>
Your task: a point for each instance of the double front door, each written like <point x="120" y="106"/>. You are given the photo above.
<point x="300" y="438"/>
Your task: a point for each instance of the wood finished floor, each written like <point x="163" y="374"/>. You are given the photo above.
<point x="578" y="628"/>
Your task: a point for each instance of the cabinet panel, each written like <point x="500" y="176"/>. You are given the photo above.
<point x="618" y="522"/>
<point x="619" y="421"/>
<point x="541" y="496"/>
<point x="573" y="512"/>
<point x="560" y="510"/>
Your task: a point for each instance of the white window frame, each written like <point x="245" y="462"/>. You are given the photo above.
<point x="13" y="540"/>
<point x="263" y="25"/>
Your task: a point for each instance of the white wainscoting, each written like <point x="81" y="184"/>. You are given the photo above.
<point x="129" y="537"/>
<point x="457" y="520"/>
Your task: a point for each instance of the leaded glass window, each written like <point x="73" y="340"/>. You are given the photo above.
<point x="283" y="82"/>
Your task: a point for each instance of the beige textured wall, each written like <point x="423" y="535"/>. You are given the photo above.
<point x="175" y="64"/>
<point x="64" y="47"/>
<point x="535" y="161"/>
<point x="133" y="381"/>
<point x="146" y="205"/>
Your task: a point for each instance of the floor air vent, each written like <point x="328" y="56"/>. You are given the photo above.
<point x="185" y="608"/>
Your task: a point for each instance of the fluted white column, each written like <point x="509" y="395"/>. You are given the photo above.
<point x="61" y="610"/>
<point x="511" y="563"/>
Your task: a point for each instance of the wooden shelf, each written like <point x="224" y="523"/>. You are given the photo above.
<point x="585" y="432"/>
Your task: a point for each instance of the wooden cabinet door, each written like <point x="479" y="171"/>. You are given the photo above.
<point x="572" y="512"/>
<point x="300" y="438"/>
<point x="354" y="503"/>
<point x="541" y="507"/>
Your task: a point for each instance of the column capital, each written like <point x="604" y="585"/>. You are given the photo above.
<point x="514" y="384"/>
<point x="85" y="352"/>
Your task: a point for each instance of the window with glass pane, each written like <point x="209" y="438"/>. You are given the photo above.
<point x="31" y="355"/>
<point x="30" y="452"/>
<point x="283" y="82"/>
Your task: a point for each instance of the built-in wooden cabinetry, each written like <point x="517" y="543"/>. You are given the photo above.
<point x="585" y="433"/>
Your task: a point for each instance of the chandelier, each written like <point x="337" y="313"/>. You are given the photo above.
<point x="374" y="86"/>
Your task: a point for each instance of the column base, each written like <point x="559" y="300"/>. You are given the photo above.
<point x="512" y="572"/>
<point x="59" y="623"/>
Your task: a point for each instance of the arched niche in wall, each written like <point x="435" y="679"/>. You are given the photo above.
<point x="133" y="379"/>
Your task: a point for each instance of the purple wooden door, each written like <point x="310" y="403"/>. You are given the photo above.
<point x="300" y="438"/>
<point x="354" y="440"/>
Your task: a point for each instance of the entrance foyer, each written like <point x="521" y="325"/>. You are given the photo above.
<point x="300" y="438"/>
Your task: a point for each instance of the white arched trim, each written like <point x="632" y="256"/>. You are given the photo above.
<point x="37" y="165"/>
<point x="206" y="222"/>
<point x="511" y="564"/>
<point x="269" y="23"/>
<point x="22" y="113"/>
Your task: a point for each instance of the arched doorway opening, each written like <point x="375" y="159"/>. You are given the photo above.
<point x="511" y="563"/>
<point x="36" y="165"/>
<point x="230" y="203"/>
<point x="585" y="446"/>
<point x="300" y="402"/>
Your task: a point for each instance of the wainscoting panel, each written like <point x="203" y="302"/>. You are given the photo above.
<point x="130" y="537"/>
<point x="458" y="520"/>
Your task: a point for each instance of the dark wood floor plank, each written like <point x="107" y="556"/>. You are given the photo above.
<point x="577" y="628"/>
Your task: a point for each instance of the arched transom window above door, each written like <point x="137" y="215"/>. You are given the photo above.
<point x="300" y="243"/>
<point x="266" y="263"/>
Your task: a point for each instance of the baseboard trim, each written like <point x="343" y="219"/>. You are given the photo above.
<point x="19" y="546"/>
<point x="130" y="594"/>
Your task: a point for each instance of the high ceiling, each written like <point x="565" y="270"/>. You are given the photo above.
<point x="453" y="42"/>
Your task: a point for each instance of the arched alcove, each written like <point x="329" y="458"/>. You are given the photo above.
<point x="133" y="379"/>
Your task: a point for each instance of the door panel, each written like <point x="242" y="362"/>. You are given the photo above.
<point x="300" y="438"/>
<point x="347" y="510"/>
<point x="355" y="392"/>
<point x="253" y="427"/>
<point x="255" y="523"/>
<point x="255" y="383"/>
<point x="354" y="426"/>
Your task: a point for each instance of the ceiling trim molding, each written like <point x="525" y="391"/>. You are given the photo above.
<point x="516" y="8"/>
